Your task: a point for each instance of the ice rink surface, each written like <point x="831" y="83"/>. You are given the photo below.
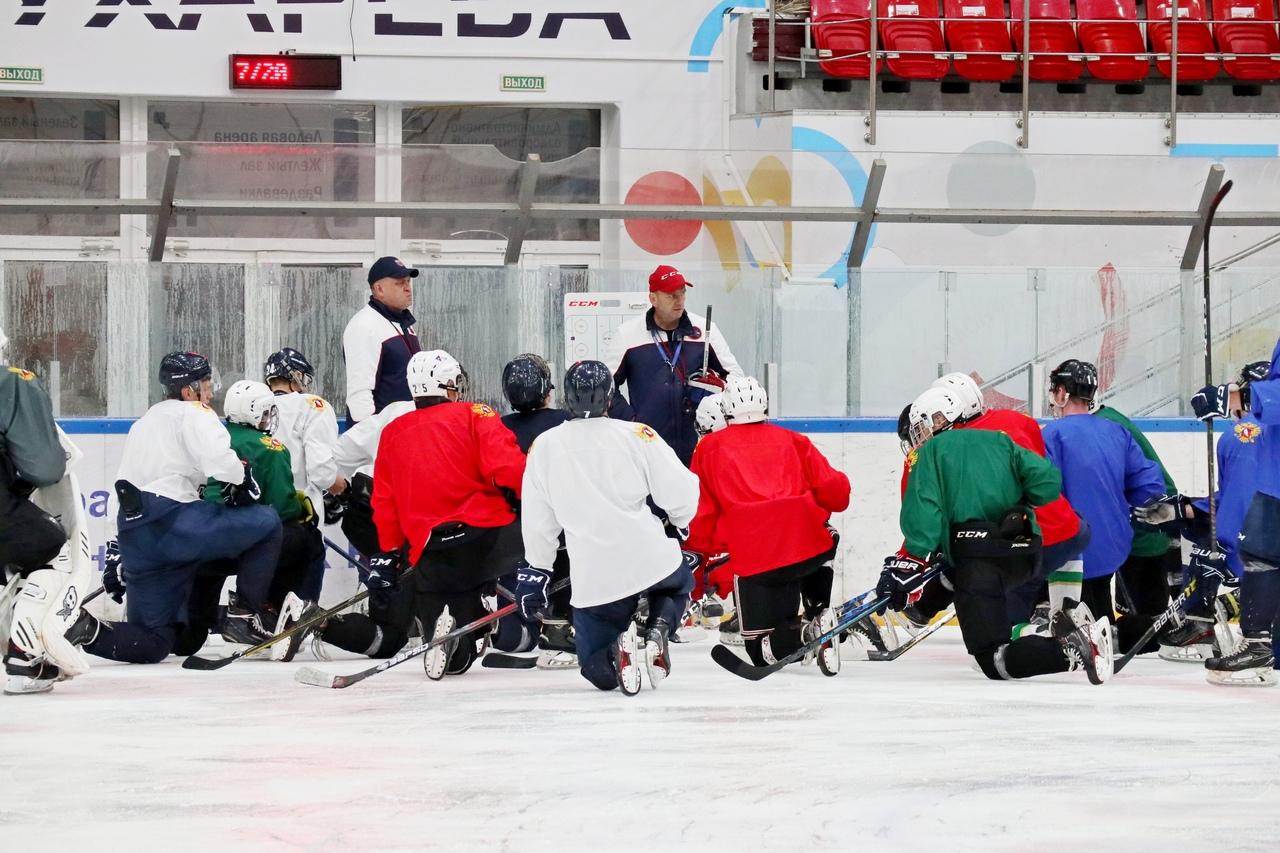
<point x="918" y="754"/>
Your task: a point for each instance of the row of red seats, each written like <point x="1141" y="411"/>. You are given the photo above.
<point x="983" y="42"/>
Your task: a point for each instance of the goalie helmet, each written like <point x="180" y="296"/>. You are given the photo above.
<point x="744" y="400"/>
<point x="434" y="374"/>
<point x="588" y="389"/>
<point x="526" y="382"/>
<point x="966" y="390"/>
<point x="1257" y="371"/>
<point x="934" y="411"/>
<point x="290" y="365"/>
<point x="1078" y="378"/>
<point x="710" y="415"/>
<point x="252" y="404"/>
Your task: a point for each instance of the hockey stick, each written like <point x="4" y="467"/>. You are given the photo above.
<point x="1160" y="621"/>
<point x="736" y="665"/>
<point x="317" y="678"/>
<point x="346" y="555"/>
<point x="507" y="660"/>
<point x="206" y="664"/>
<point x="706" y="345"/>
<point x="1208" y="363"/>
<point x="917" y="639"/>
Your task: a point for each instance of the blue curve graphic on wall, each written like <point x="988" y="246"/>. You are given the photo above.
<point x="710" y="30"/>
<point x="855" y="177"/>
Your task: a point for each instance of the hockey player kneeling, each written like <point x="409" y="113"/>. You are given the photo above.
<point x="592" y="478"/>
<point x="757" y="476"/>
<point x="965" y="500"/>
<point x="445" y="479"/>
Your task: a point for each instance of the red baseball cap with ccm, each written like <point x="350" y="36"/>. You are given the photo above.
<point x="666" y="279"/>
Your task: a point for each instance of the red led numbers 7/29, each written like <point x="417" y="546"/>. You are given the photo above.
<point x="285" y="71"/>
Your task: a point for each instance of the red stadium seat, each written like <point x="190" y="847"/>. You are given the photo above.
<point x="1194" y="40"/>
<point x="1056" y="56"/>
<point x="1246" y="33"/>
<point x="901" y="30"/>
<point x="978" y="36"/>
<point x="835" y="32"/>
<point x="1109" y="31"/>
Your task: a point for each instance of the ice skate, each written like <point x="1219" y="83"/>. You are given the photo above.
<point x="293" y="611"/>
<point x="827" y="654"/>
<point x="1251" y="665"/>
<point x="1086" y="642"/>
<point x="626" y="660"/>
<point x="436" y="659"/>
<point x="656" y="654"/>
<point x="731" y="632"/>
<point x="25" y="674"/>
<point x="1190" y="642"/>
<point x="712" y="611"/>
<point x="245" y="626"/>
<point x="557" y="646"/>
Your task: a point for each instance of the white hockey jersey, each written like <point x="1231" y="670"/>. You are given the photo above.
<point x="590" y="478"/>
<point x="175" y="447"/>
<point x="357" y="448"/>
<point x="309" y="428"/>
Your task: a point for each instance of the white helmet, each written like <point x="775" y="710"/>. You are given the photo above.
<point x="966" y="390"/>
<point x="710" y="415"/>
<point x="933" y="411"/>
<point x="252" y="404"/>
<point x="744" y="401"/>
<point x="434" y="374"/>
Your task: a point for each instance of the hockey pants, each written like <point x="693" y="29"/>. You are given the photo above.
<point x="162" y="553"/>
<point x="1024" y="598"/>
<point x="769" y="604"/>
<point x="29" y="537"/>
<point x="596" y="628"/>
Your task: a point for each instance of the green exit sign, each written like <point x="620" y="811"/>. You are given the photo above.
<point x="517" y="83"/>
<point x="18" y="74"/>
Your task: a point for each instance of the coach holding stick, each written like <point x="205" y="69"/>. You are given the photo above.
<point x="668" y="360"/>
<point x="379" y="341"/>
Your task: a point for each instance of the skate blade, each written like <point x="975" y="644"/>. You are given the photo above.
<point x="1257" y="677"/>
<point x="314" y="677"/>
<point x="557" y="660"/>
<point x="20" y="685"/>
<point x="1186" y="654"/>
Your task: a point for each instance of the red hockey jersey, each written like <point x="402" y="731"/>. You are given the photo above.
<point x="767" y="493"/>
<point x="444" y="463"/>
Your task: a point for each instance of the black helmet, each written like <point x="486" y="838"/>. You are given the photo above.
<point x="1080" y="378"/>
<point x="1256" y="371"/>
<point x="291" y="365"/>
<point x="526" y="380"/>
<point x="180" y="369"/>
<point x="588" y="388"/>
<point x="904" y="429"/>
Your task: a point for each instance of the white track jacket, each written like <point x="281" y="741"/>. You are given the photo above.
<point x="590" y="478"/>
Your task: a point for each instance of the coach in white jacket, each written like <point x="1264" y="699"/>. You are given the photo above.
<point x="591" y="477"/>
<point x="379" y="341"/>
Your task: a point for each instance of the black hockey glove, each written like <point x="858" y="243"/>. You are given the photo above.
<point x="246" y="493"/>
<point x="334" y="507"/>
<point x="381" y="575"/>
<point x="902" y="580"/>
<point x="531" y="593"/>
<point x="1167" y="514"/>
<point x="113" y="572"/>
<point x="1214" y="401"/>
<point x="1210" y="568"/>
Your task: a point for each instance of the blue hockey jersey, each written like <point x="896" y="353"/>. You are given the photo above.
<point x="1265" y="464"/>
<point x="1104" y="473"/>
<point x="1239" y="471"/>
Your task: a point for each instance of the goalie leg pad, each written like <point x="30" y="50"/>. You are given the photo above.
<point x="73" y="572"/>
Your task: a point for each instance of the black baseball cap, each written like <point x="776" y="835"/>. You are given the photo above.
<point x="389" y="267"/>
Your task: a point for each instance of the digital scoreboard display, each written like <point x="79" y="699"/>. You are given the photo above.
<point x="285" y="71"/>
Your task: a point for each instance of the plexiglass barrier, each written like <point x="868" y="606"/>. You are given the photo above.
<point x="95" y="330"/>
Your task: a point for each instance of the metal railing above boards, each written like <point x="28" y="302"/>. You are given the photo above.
<point x="1067" y="43"/>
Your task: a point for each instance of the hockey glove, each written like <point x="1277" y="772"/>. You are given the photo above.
<point x="113" y="572"/>
<point x="1214" y="401"/>
<point x="706" y="380"/>
<point x="1166" y="513"/>
<point x="1210" y="568"/>
<point x="381" y="576"/>
<point x="246" y="493"/>
<point x="334" y="507"/>
<point x="531" y="593"/>
<point x="902" y="580"/>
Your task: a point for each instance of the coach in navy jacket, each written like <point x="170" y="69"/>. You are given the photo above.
<point x="659" y="359"/>
<point x="379" y="341"/>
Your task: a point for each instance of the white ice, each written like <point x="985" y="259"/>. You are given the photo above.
<point x="918" y="754"/>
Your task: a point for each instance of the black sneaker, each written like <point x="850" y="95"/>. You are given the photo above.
<point x="1251" y="665"/>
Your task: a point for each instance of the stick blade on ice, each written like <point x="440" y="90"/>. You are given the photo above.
<point x="206" y="664"/>
<point x="314" y="677"/>
<point x="724" y="656"/>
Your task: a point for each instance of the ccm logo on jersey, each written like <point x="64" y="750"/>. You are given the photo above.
<point x="971" y="534"/>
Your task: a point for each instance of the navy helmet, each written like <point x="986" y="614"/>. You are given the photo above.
<point x="526" y="381"/>
<point x="1079" y="378"/>
<point x="588" y="389"/>
<point x="291" y="365"/>
<point x="180" y="369"/>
